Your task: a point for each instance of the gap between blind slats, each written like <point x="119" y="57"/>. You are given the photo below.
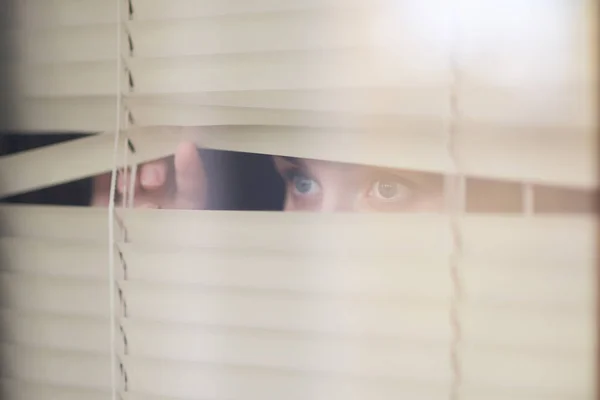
<point x="567" y="161"/>
<point x="522" y="373"/>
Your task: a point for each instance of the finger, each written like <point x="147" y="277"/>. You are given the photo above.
<point x="123" y="179"/>
<point x="153" y="175"/>
<point x="154" y="199"/>
<point x="190" y="177"/>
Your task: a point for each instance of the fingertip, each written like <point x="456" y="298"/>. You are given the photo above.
<point x="186" y="156"/>
<point x="153" y="174"/>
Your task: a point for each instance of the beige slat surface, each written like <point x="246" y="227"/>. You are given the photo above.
<point x="23" y="390"/>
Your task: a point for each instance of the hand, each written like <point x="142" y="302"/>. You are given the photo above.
<point x="177" y="182"/>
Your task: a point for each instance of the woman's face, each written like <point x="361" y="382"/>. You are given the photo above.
<point x="324" y="186"/>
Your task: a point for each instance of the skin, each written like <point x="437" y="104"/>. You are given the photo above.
<point x="179" y="182"/>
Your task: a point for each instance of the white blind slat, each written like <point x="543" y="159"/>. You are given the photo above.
<point x="23" y="390"/>
<point x="350" y="108"/>
<point x="416" y="317"/>
<point x="70" y="44"/>
<point x="77" y="370"/>
<point x="73" y="79"/>
<point x="87" y="114"/>
<point x="36" y="14"/>
<point x="77" y="161"/>
<point x="497" y="235"/>
<point x="55" y="331"/>
<point x="188" y="381"/>
<point x="182" y="9"/>
<point x="304" y="30"/>
<point x="72" y="297"/>
<point x="512" y="237"/>
<point x="284" y="71"/>
<point x="336" y="355"/>
<point x="54" y="222"/>
<point x="395" y="274"/>
<point x="409" y="100"/>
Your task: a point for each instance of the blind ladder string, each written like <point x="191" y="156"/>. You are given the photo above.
<point x="129" y="196"/>
<point x="455" y="200"/>
<point x="113" y="359"/>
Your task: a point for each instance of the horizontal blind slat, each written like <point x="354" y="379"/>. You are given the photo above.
<point x="68" y="297"/>
<point x="25" y="390"/>
<point x="327" y="232"/>
<point x="349" y="357"/>
<point x="281" y="31"/>
<point x="189" y="381"/>
<point x="417" y="317"/>
<point x="59" y="46"/>
<point x="549" y="335"/>
<point x="534" y="280"/>
<point x="76" y="370"/>
<point x="564" y="109"/>
<point x="65" y="114"/>
<point x="54" y="222"/>
<point x="72" y="79"/>
<point x="298" y="350"/>
<point x="511" y="236"/>
<point x="51" y="257"/>
<point x="36" y="14"/>
<point x="285" y="70"/>
<point x="55" y="331"/>
<point x="56" y="164"/>
<point x="183" y="381"/>
<point x="183" y="9"/>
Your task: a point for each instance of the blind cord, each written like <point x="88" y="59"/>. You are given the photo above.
<point x="111" y="225"/>
<point x="456" y="199"/>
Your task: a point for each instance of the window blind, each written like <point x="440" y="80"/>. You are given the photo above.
<point x="223" y="305"/>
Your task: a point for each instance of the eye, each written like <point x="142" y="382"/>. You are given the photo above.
<point x="304" y="186"/>
<point x="390" y="190"/>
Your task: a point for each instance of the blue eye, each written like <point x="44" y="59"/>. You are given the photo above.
<point x="304" y="186"/>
